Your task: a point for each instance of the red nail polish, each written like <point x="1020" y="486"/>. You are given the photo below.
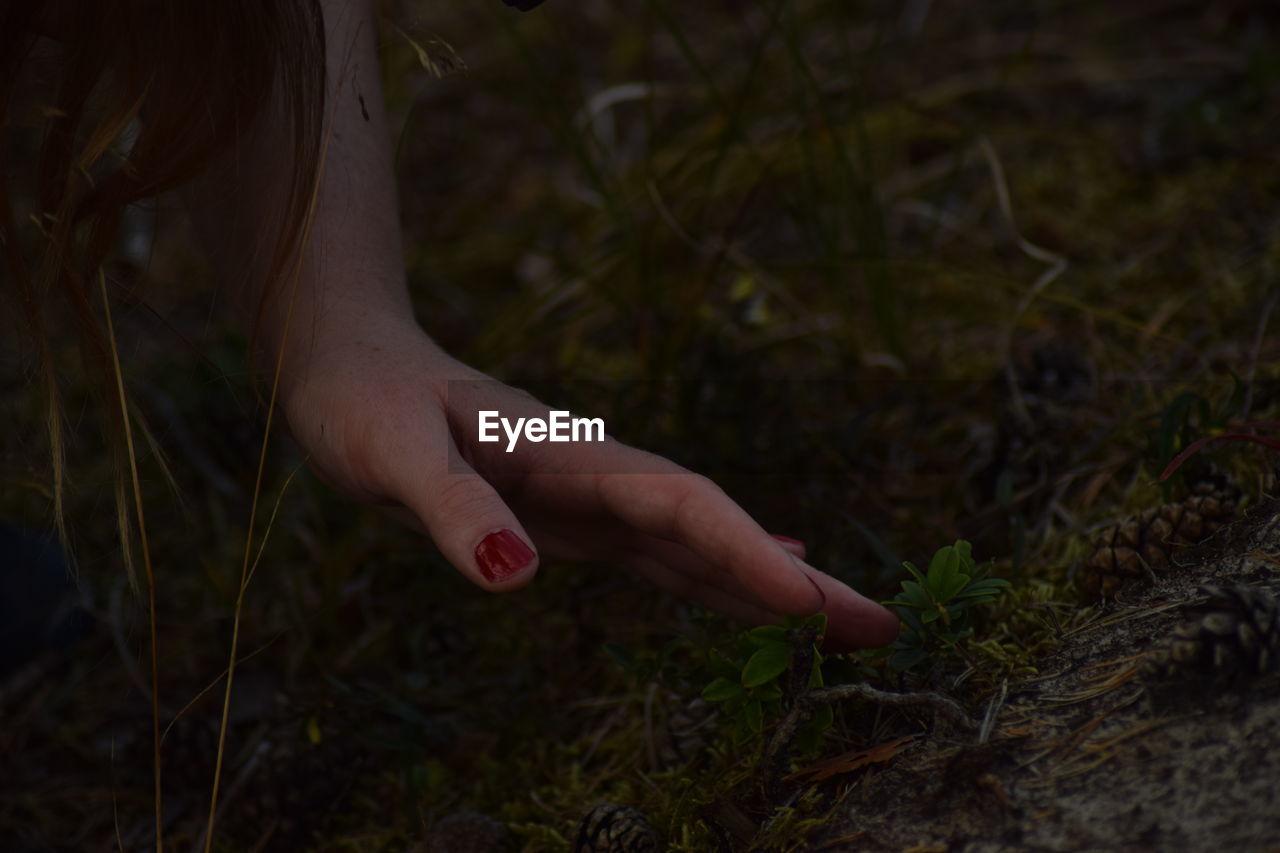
<point x="501" y="555"/>
<point x="787" y="539"/>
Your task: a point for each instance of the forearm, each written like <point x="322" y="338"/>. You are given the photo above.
<point x="348" y="278"/>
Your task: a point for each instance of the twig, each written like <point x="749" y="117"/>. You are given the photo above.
<point x="810" y="701"/>
<point x="993" y="711"/>
<point x="1057" y="264"/>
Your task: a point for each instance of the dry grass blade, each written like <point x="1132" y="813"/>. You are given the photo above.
<point x="993" y="712"/>
<point x="249" y="561"/>
<point x="844" y="839"/>
<point x="820" y="771"/>
<point x="122" y="401"/>
<point x="195" y="700"/>
<point x="1057" y="264"/>
<point x="1102" y="752"/>
<point x="1122" y="616"/>
<point x="115" y="805"/>
<point x="1106" y="683"/>
<point x="247" y="572"/>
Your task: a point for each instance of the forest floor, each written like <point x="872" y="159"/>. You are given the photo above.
<point x="893" y="274"/>
<point x="1099" y="752"/>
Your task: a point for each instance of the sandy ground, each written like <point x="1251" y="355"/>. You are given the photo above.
<point x="1094" y="755"/>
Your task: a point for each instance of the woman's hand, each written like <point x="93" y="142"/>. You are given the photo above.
<point x="389" y="419"/>
<point x="367" y="393"/>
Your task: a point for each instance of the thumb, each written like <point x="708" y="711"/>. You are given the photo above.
<point x="470" y="524"/>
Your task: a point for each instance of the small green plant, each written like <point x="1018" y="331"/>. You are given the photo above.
<point x="773" y="665"/>
<point x="936" y="607"/>
<point x="1186" y="423"/>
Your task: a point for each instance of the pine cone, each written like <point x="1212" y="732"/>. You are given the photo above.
<point x="1235" y="634"/>
<point x="1148" y="544"/>
<point x="611" y="828"/>
<point x="686" y="730"/>
<point x="468" y="832"/>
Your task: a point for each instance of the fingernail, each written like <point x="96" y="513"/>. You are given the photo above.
<point x="501" y="555"/>
<point x="814" y="584"/>
<point x="787" y="539"/>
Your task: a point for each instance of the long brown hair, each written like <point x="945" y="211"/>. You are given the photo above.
<point x="186" y="79"/>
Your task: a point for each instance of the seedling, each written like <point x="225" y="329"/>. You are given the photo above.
<point x="936" y="607"/>
<point x="774" y="664"/>
<point x="1190" y="421"/>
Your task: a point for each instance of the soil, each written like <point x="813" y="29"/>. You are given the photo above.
<point x="1093" y="755"/>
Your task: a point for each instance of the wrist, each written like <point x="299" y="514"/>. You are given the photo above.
<point x="357" y="349"/>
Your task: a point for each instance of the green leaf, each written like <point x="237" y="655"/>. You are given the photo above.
<point x="912" y="620"/>
<point x="943" y="566"/>
<point x="721" y="690"/>
<point x="819" y="621"/>
<point x="866" y="654"/>
<point x="766" y="664"/>
<point x="948" y="587"/>
<point x="721" y="666"/>
<point x="906" y="659"/>
<point x="765" y="634"/>
<point x="962" y="604"/>
<point x="906" y="641"/>
<point x="769" y="692"/>
<point x="916" y="594"/>
<point x="982" y="592"/>
<point x="914" y="572"/>
<point x="815" y="674"/>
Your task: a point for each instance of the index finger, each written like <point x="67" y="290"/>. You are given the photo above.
<point x="680" y="506"/>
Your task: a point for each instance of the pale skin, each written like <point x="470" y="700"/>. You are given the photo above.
<point x="364" y="391"/>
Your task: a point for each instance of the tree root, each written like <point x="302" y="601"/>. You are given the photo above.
<point x="777" y="753"/>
